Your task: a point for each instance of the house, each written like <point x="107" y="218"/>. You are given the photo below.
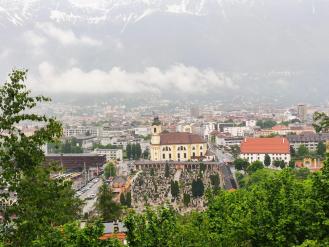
<point x="116" y="230"/>
<point x="277" y="148"/>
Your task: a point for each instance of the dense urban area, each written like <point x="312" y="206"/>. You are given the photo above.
<point x="164" y="123"/>
<point x="148" y="177"/>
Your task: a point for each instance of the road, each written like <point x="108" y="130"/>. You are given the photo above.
<point x="221" y="155"/>
<point x="227" y="172"/>
<point x="90" y="189"/>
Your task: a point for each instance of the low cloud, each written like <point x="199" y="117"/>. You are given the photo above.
<point x="177" y="78"/>
<point x="66" y="36"/>
<point x="34" y="39"/>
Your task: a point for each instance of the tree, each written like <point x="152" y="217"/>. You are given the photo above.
<point x="153" y="228"/>
<point x="174" y="188"/>
<point x="106" y="207"/>
<point x="129" y="151"/>
<point x="282" y="164"/>
<point x="266" y="124"/>
<point x="215" y="182"/>
<point x="321" y="149"/>
<point x="241" y="164"/>
<point x="321" y="122"/>
<point x="302" y="151"/>
<point x="167" y="173"/>
<point x="235" y="151"/>
<point x="292" y="151"/>
<point x="128" y="199"/>
<point x="267" y="160"/>
<point x="41" y="201"/>
<point x="186" y="199"/>
<point x="73" y="235"/>
<point x="138" y="151"/>
<point x="197" y="188"/>
<point x="292" y="163"/>
<point x="122" y="199"/>
<point x="109" y="170"/>
<point x="146" y="154"/>
<point x="276" y="163"/>
<point x="254" y="166"/>
<point x="59" y="205"/>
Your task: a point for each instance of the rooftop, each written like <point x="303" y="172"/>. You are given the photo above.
<point x="276" y="145"/>
<point x="180" y="138"/>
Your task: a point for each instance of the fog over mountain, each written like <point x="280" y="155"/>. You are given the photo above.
<point x="171" y="48"/>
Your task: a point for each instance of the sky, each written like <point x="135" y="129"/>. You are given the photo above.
<point x="273" y="49"/>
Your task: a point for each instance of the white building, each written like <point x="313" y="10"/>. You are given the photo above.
<point x="74" y="131"/>
<point x="238" y="131"/>
<point x="277" y="148"/>
<point x="111" y="154"/>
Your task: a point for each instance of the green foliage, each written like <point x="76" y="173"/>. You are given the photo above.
<point x="106" y="207"/>
<point x="202" y="168"/>
<point x="197" y="188"/>
<point x="128" y="199"/>
<point x="302" y="173"/>
<point x="302" y="151"/>
<point x="41" y="202"/>
<point x="69" y="146"/>
<point x="241" y="164"/>
<point x="215" y="181"/>
<point x="174" y="188"/>
<point x="235" y="151"/>
<point x="266" y="124"/>
<point x="110" y="170"/>
<point x="254" y="166"/>
<point x="153" y="228"/>
<point x="267" y="160"/>
<point x="146" y="154"/>
<point x="134" y="151"/>
<point x="186" y="199"/>
<point x="108" y="146"/>
<point x="321" y="122"/>
<point x="72" y="235"/>
<point x="167" y="173"/>
<point x="321" y="149"/>
<point x="125" y="199"/>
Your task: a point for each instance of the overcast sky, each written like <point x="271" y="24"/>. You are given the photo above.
<point x="276" y="48"/>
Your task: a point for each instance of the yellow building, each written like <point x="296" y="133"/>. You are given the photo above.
<point x="175" y="146"/>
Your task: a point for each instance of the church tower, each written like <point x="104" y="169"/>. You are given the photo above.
<point x="156" y="130"/>
<point x="155" y="139"/>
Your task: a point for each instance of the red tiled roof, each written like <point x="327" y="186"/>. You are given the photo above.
<point x="180" y="138"/>
<point x="275" y="145"/>
<point x="121" y="236"/>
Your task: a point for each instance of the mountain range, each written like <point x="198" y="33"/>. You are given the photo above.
<point x="271" y="49"/>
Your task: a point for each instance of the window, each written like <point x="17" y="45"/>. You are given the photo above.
<point x="184" y="155"/>
<point x="169" y="156"/>
<point x="155" y="130"/>
<point x="193" y="148"/>
<point x="193" y="154"/>
<point x="201" y="148"/>
<point x="178" y="156"/>
<point x="201" y="153"/>
<point x="163" y="156"/>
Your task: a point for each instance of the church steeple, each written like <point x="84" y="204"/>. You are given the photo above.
<point x="156" y="130"/>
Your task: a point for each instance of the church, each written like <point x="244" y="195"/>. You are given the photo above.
<point x="175" y="146"/>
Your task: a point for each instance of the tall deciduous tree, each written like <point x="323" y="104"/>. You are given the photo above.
<point x="108" y="209"/>
<point x="40" y="201"/>
<point x="321" y="149"/>
<point x="241" y="164"/>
